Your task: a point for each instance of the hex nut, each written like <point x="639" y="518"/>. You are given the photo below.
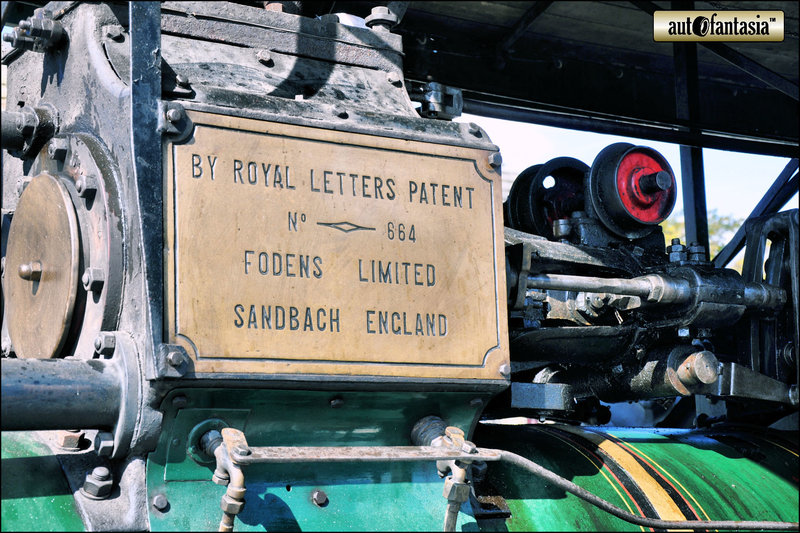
<point x="265" y="58"/>
<point x="231" y="506"/>
<point x="98" y="484"/>
<point x="455" y="492"/>
<point x="86" y="185"/>
<point x="57" y="149"/>
<point x="394" y="78"/>
<point x="104" y="443"/>
<point x="93" y="279"/>
<point x="105" y="343"/>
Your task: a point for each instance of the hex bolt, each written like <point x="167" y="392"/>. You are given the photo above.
<point x="319" y="498"/>
<point x="474" y="129"/>
<point x="105" y="343"/>
<point x="98" y="484"/>
<point x="160" y="502"/>
<point x="31" y="271"/>
<point x="86" y="185"/>
<point x="394" y="78"/>
<point x="504" y="370"/>
<point x="57" y="149"/>
<point x="93" y="279"/>
<point x="381" y="19"/>
<point x="104" y="443"/>
<point x="175" y="358"/>
<point x="339" y="111"/>
<point x="495" y="160"/>
<point x="174" y="114"/>
<point x="182" y="80"/>
<point x="265" y="58"/>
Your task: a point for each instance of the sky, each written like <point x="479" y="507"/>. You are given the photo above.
<point x="735" y="181"/>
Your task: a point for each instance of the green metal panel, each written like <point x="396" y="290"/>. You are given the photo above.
<point x="365" y="496"/>
<point x="35" y="493"/>
<point x="716" y="474"/>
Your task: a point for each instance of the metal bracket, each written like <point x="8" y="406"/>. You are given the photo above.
<point x="243" y="454"/>
<point x="738" y="381"/>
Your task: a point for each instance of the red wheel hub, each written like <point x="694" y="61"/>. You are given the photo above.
<point x="646" y="187"/>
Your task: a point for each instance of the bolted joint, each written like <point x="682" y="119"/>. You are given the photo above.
<point x="174" y="114"/>
<point x="86" y="185"/>
<point x="93" y="279"/>
<point x="265" y="58"/>
<point x="175" y="358"/>
<point x="319" y="498"/>
<point x="455" y="491"/>
<point x="98" y="484"/>
<point x="230" y="505"/>
<point x="495" y="160"/>
<point x="57" y="149"/>
<point x="381" y="19"/>
<point x="104" y="443"/>
<point x="160" y="502"/>
<point x="69" y="439"/>
<point x="105" y="343"/>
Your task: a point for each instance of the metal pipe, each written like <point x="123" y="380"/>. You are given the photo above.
<point x="564" y="484"/>
<point x="59" y="394"/>
<point x="653" y="287"/>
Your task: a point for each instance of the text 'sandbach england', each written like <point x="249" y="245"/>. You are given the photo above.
<point x="296" y="247"/>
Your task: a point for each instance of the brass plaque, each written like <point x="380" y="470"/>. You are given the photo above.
<point x="297" y="250"/>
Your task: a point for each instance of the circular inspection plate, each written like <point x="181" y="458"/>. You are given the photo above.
<point x="41" y="280"/>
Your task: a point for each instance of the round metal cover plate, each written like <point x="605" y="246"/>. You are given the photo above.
<point x="41" y="280"/>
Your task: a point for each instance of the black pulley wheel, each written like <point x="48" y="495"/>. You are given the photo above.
<point x="535" y="201"/>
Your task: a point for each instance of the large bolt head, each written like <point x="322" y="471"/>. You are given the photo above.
<point x="105" y="343"/>
<point x="98" y="484"/>
<point x="69" y="440"/>
<point x="175" y="358"/>
<point x="319" y="498"/>
<point x="495" y="160"/>
<point x="104" y="443"/>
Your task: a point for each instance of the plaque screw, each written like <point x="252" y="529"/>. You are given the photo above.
<point x="174" y="114"/>
<point x="495" y="159"/>
<point x="175" y="358"/>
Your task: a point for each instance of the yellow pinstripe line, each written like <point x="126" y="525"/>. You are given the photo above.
<point x="599" y="469"/>
<point x="670" y="476"/>
<point x="663" y="504"/>
<point x="783" y="448"/>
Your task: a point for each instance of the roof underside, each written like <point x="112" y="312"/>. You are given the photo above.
<point x="578" y="63"/>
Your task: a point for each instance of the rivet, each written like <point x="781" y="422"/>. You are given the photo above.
<point x="160" y="502"/>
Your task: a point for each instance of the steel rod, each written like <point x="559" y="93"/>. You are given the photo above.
<point x="59" y="394"/>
